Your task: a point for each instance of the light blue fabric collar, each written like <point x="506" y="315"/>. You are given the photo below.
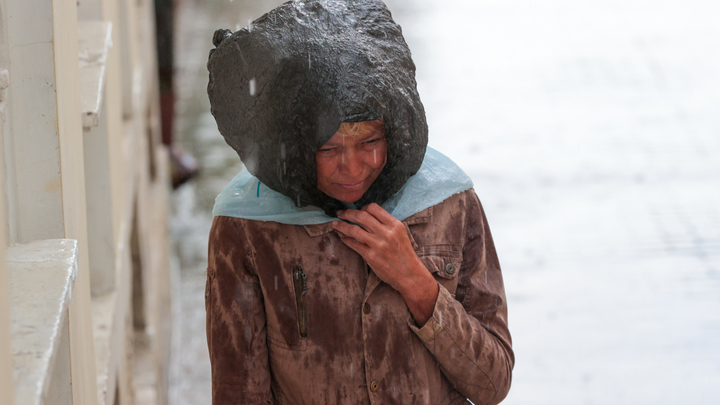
<point x="246" y="197"/>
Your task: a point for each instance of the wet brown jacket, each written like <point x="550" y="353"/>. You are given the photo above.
<point x="296" y="317"/>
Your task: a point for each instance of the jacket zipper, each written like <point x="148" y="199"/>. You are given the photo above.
<point x="300" y="282"/>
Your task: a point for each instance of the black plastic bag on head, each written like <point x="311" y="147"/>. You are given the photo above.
<point x="281" y="87"/>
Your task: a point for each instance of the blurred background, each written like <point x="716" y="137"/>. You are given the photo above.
<point x="591" y="131"/>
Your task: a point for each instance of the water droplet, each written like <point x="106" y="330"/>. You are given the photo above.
<point x="282" y="150"/>
<point x="252" y="86"/>
<point x="250" y="26"/>
<point x="352" y="369"/>
<point x="275" y="283"/>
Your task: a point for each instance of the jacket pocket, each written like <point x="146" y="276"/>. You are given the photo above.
<point x="443" y="262"/>
<point x="300" y="284"/>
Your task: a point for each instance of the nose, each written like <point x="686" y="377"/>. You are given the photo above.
<point x="351" y="163"/>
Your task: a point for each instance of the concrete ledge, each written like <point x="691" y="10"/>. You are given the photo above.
<point x="94" y="42"/>
<point x="41" y="277"/>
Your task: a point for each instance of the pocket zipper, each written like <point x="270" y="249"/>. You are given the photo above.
<point x="300" y="282"/>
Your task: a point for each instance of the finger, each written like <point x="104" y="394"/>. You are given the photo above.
<point x="353" y="231"/>
<point x="393" y="228"/>
<point x="380" y="214"/>
<point x="362" y="218"/>
<point x="361" y="248"/>
<point x="352" y="223"/>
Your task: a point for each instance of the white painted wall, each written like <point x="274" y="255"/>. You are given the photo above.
<point x="34" y="184"/>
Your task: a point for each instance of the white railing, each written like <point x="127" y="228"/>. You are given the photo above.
<point x="79" y="128"/>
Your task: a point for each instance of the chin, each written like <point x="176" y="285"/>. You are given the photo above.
<point x="348" y="198"/>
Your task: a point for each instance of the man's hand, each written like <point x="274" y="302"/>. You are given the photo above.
<point x="383" y="242"/>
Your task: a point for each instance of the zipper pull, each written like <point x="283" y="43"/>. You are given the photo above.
<point x="300" y="278"/>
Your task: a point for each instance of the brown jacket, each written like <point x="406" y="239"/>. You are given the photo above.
<point x="296" y="317"/>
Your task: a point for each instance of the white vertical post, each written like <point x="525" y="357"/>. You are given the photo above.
<point x="106" y="182"/>
<point x="6" y="362"/>
<point x="127" y="15"/>
<point x="95" y="41"/>
<point x="74" y="208"/>
<point x="105" y="170"/>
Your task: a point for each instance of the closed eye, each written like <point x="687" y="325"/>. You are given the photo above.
<point x="374" y="141"/>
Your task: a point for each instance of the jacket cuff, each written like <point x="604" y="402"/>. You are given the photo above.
<point x="435" y="324"/>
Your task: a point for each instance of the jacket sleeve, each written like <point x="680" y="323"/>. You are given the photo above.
<point x="235" y="319"/>
<point x="468" y="333"/>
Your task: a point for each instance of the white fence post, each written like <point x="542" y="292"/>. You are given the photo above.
<point x="6" y="361"/>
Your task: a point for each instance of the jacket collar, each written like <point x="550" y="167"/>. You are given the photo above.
<point x="422" y="217"/>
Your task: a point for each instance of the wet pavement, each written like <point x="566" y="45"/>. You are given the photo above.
<point x="592" y="133"/>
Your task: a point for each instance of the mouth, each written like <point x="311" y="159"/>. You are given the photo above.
<point x="352" y="187"/>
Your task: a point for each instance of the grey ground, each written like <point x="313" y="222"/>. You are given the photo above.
<point x="592" y="133"/>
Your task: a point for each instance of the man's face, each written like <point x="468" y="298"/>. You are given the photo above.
<point x="347" y="165"/>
